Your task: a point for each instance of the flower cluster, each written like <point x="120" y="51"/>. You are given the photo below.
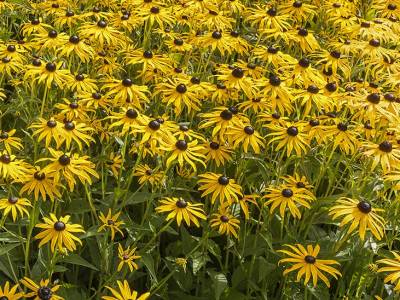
<point x="199" y="149"/>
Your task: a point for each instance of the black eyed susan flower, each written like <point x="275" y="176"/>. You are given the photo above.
<point x="219" y="153"/>
<point x="155" y="132"/>
<point x="81" y="83"/>
<point x="236" y="79"/>
<point x="147" y="174"/>
<point x="304" y="38"/>
<point x="77" y="47"/>
<point x="72" y="110"/>
<point x="220" y="186"/>
<point x="59" y="232"/>
<point x="225" y="222"/>
<point x="313" y="98"/>
<point x="127" y="257"/>
<point x="156" y="15"/>
<point x="93" y="100"/>
<point x="41" y="290"/>
<point x="48" y="130"/>
<point x="393" y="267"/>
<point x="215" y="40"/>
<point x="125" y="293"/>
<point x="123" y="91"/>
<point x="185" y="133"/>
<point x="70" y="166"/>
<point x="10" y="66"/>
<point x="386" y="154"/>
<point x="36" y="25"/>
<point x="148" y="60"/>
<point x="343" y="136"/>
<point x="129" y="118"/>
<point x="284" y="196"/>
<point x="114" y="162"/>
<point x="178" y="44"/>
<point x="77" y="132"/>
<point x="361" y="214"/>
<point x="183" y="151"/>
<point x="9" y="141"/>
<point x="102" y="33"/>
<point x="291" y="136"/>
<point x="179" y="94"/>
<point x="308" y="265"/>
<point x="50" y="40"/>
<point x="10" y="293"/>
<point x="245" y="201"/>
<point x="48" y="74"/>
<point x="268" y="18"/>
<point x="245" y="135"/>
<point x="11" y="167"/>
<point x="181" y="210"/>
<point x="41" y="182"/>
<point x="220" y="119"/>
<point x="280" y="95"/>
<point x="14" y="205"/>
<point x="111" y="222"/>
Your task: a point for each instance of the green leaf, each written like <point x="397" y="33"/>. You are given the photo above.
<point x="75" y="259"/>
<point x="139" y="197"/>
<point x="148" y="261"/>
<point x="220" y="283"/>
<point x="6" y="248"/>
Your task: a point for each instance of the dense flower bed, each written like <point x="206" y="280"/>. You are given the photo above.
<point x="199" y="149"/>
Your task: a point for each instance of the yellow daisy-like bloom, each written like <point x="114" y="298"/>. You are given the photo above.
<point x="219" y="153"/>
<point x="13" y="168"/>
<point x="179" y="94"/>
<point x="111" y="222"/>
<point x="220" y="186"/>
<point x="114" y="162"/>
<point x="179" y="45"/>
<point x="77" y="132"/>
<point x="72" y="110"/>
<point x="183" y="151"/>
<point x="291" y="136"/>
<point x="47" y="74"/>
<point x="48" y="130"/>
<point x="93" y="100"/>
<point x="36" y="25"/>
<point x="148" y="60"/>
<point x="70" y="166"/>
<point x="156" y="15"/>
<point x="147" y="174"/>
<point x="343" y="137"/>
<point x="185" y="133"/>
<point x="244" y="203"/>
<point x="77" y="47"/>
<point x="127" y="257"/>
<point x="216" y="40"/>
<point x="41" y="182"/>
<point x="8" y="293"/>
<point x="125" y="293"/>
<point x="59" y="232"/>
<point x="307" y="264"/>
<point x="386" y="154"/>
<point x="313" y="98"/>
<point x="361" y="214"/>
<point x="81" y="84"/>
<point x="304" y="39"/>
<point x="180" y="209"/>
<point x="278" y="93"/>
<point x="237" y="80"/>
<point x="40" y="291"/>
<point x="220" y="119"/>
<point x="393" y="267"/>
<point x="225" y="221"/>
<point x="50" y="40"/>
<point x="9" y="141"/>
<point x="14" y="205"/>
<point x="9" y="66"/>
<point x="124" y="91"/>
<point x="103" y="34"/>
<point x="129" y="118"/>
<point x="247" y="135"/>
<point x="284" y="197"/>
